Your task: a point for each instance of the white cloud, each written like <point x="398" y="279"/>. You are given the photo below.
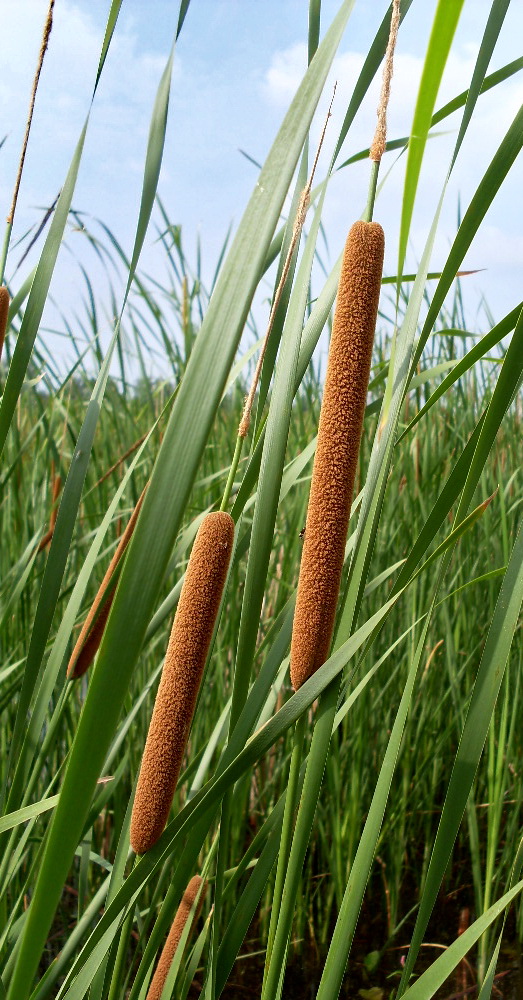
<point x="497" y="245"/>
<point x="122" y="107"/>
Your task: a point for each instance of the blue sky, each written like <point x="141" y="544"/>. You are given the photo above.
<point x="237" y="67"/>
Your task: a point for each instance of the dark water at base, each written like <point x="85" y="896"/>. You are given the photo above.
<point x="304" y="973"/>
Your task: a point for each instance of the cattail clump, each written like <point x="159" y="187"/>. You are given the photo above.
<point x="175" y="933"/>
<point x="4" y="312"/>
<point x="339" y="433"/>
<point x="182" y="673"/>
<point x="93" y="627"/>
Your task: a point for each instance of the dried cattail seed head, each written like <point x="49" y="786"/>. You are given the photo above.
<point x="189" y="643"/>
<point x="339" y="433"/>
<point x="93" y="627"/>
<point x="4" y="312"/>
<point x="175" y="933"/>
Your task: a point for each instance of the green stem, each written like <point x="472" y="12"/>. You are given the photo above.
<point x="373" y="182"/>
<point x="286" y="835"/>
<point x="5" y="248"/>
<point x="232" y="472"/>
<point x="309" y="797"/>
<point x="121" y="954"/>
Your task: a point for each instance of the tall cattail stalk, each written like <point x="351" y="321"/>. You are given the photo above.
<point x="4" y="314"/>
<point x="332" y="485"/>
<point x="187" y="651"/>
<point x="194" y="893"/>
<point x="93" y="628"/>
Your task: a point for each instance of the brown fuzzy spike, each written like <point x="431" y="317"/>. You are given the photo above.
<point x="335" y="463"/>
<point x="4" y="312"/>
<point x="94" y="625"/>
<point x="175" y="933"/>
<point x="189" y="643"/>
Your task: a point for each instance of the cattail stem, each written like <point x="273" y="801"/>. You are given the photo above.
<point x="291" y="797"/>
<point x="4" y="315"/>
<point x="5" y="250"/>
<point x="232" y="472"/>
<point x="121" y="954"/>
<point x="373" y="183"/>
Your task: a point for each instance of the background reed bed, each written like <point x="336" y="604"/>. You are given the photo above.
<point x="417" y="800"/>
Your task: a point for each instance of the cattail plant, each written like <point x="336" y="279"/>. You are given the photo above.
<point x="341" y="417"/>
<point x="194" y="893"/>
<point x="93" y="628"/>
<point x="189" y="643"/>
<point x="328" y="514"/>
<point x="4" y="312"/>
<point x="337" y="450"/>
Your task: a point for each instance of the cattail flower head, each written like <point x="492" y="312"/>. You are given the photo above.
<point x="189" y="643"/>
<point x="175" y="933"/>
<point x="4" y="312"/>
<point x="339" y="433"/>
<point x="93" y="628"/>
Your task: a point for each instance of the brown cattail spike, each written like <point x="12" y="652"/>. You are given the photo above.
<point x="94" y="625"/>
<point x="175" y="933"/>
<point x="4" y="313"/>
<point x="189" y="643"/>
<point x="335" y="464"/>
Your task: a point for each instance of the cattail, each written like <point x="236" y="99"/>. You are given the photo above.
<point x="4" y="312"/>
<point x="57" y="486"/>
<point x="175" y="933"/>
<point x="182" y="673"/>
<point x="93" y="627"/>
<point x="336" y="459"/>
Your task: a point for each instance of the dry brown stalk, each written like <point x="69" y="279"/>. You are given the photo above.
<point x="339" y="434"/>
<point x="185" y="658"/>
<point x="299" y="221"/>
<point x="93" y="628"/>
<point x="43" y="47"/>
<point x="379" y="142"/>
<point x="175" y="933"/>
<point x="121" y="459"/>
